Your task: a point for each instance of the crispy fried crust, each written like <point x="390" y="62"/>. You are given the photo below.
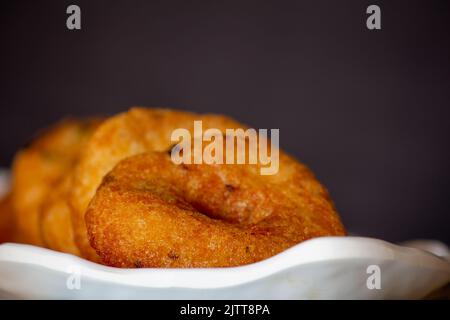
<point x="136" y="131"/>
<point x="149" y="212"/>
<point x="55" y="220"/>
<point x="38" y="168"/>
<point x="6" y="220"/>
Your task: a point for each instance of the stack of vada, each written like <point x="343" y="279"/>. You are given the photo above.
<point x="107" y="190"/>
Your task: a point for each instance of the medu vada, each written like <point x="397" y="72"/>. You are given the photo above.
<point x="6" y="220"/>
<point x="137" y="131"/>
<point x="56" y="222"/>
<point x="39" y="167"/>
<point x="150" y="212"/>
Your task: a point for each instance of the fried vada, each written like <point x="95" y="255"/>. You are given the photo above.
<point x="137" y="131"/>
<point x="150" y="212"/>
<point x="39" y="167"/>
<point x="55" y="220"/>
<point x="110" y="192"/>
<point x="6" y="220"/>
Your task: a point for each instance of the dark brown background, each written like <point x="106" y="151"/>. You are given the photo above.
<point x="367" y="110"/>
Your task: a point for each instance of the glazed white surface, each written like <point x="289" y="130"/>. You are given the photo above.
<point x="321" y="268"/>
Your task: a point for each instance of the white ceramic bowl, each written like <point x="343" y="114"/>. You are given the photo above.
<point x="321" y="268"/>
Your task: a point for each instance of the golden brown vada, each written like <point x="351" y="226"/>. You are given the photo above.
<point x="137" y="131"/>
<point x="150" y="212"/>
<point x="6" y="220"/>
<point x="110" y="192"/>
<point x="37" y="168"/>
<point x="56" y="222"/>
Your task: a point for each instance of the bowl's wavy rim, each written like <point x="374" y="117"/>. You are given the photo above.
<point x="324" y="249"/>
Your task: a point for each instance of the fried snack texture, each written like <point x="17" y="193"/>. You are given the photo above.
<point x="108" y="190"/>
<point x="56" y="222"/>
<point x="150" y="212"/>
<point x="38" y="168"/>
<point x="7" y="225"/>
<point x="127" y="134"/>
